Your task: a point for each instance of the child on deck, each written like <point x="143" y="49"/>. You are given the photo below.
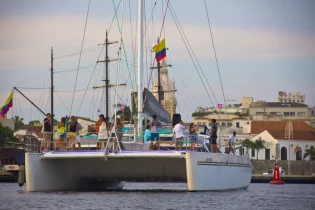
<point x="147" y="134"/>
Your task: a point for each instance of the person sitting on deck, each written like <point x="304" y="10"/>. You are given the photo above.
<point x="178" y="130"/>
<point x="147" y="134"/>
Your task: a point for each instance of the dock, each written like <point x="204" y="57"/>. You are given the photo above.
<point x="289" y="179"/>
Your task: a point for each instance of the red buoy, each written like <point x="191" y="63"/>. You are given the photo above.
<point x="276" y="176"/>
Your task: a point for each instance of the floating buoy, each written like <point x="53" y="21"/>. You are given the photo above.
<point x="21" y="178"/>
<point x="276" y="176"/>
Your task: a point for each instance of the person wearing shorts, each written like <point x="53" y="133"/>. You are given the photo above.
<point x="72" y="128"/>
<point x="178" y="130"/>
<point x="155" y="124"/>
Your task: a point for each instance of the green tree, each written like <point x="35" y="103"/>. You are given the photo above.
<point x="125" y="114"/>
<point x="310" y="152"/>
<point x="18" y="122"/>
<point x="33" y="122"/>
<point x="258" y="145"/>
<point x="6" y="135"/>
<point x="248" y="144"/>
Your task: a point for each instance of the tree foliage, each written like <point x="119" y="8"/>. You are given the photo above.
<point x="125" y="114"/>
<point x="6" y="135"/>
<point x="34" y="122"/>
<point x="18" y="122"/>
<point x="310" y="152"/>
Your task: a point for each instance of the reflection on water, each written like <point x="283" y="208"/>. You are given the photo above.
<point x="162" y="196"/>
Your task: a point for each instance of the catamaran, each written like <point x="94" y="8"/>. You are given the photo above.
<point x="97" y="170"/>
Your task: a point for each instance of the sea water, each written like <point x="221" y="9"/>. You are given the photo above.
<point x="144" y="195"/>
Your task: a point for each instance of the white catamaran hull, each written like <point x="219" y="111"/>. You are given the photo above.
<point x="92" y="171"/>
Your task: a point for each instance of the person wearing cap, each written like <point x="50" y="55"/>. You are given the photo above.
<point x="119" y="132"/>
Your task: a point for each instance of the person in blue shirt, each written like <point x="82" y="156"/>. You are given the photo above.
<point x="147" y="134"/>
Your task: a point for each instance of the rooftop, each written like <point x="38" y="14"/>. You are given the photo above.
<point x="277" y="104"/>
<point x="301" y="130"/>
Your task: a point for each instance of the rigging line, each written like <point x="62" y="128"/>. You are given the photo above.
<point x="77" y="53"/>
<point x="64" y="91"/>
<point x="182" y="111"/>
<point x="41" y="88"/>
<point x="185" y="102"/>
<point x="84" y="67"/>
<point x="62" y="102"/>
<point x="194" y="55"/>
<point x="186" y="86"/>
<point x="111" y="24"/>
<point x="164" y="17"/>
<point x="121" y="40"/>
<point x="215" y="54"/>
<point x="19" y="105"/>
<point x="191" y="56"/>
<point x="76" y="79"/>
<point x="32" y="77"/>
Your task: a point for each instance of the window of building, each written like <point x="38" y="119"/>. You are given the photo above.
<point x="301" y="114"/>
<point x="253" y="152"/>
<point x="203" y="123"/>
<point x="275" y="113"/>
<point x="288" y="114"/>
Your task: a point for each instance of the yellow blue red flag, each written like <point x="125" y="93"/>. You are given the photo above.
<point x="160" y="50"/>
<point x="7" y="104"/>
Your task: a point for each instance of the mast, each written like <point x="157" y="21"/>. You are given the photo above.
<point x="52" y="96"/>
<point x="159" y="77"/>
<point x="140" y="62"/>
<point x="106" y="79"/>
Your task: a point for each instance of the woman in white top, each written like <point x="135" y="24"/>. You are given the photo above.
<point x="231" y="142"/>
<point x="102" y="133"/>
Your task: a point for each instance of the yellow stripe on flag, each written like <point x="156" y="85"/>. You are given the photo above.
<point x="160" y="46"/>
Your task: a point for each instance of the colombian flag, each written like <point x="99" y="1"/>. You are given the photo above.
<point x="160" y="50"/>
<point x="7" y="104"/>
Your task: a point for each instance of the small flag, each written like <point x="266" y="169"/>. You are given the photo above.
<point x="7" y="104"/>
<point x="160" y="50"/>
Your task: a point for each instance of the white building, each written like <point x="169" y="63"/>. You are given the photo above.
<point x="290" y="97"/>
<point x="302" y="136"/>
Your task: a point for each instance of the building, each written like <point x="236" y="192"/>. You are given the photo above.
<point x="262" y="110"/>
<point x="168" y="100"/>
<point x="296" y="97"/>
<point x="277" y="141"/>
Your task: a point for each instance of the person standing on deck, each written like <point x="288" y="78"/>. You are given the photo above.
<point x="62" y="133"/>
<point x="231" y="142"/>
<point x="192" y="137"/>
<point x="155" y="124"/>
<point x="178" y="130"/>
<point x="214" y="136"/>
<point x="72" y="128"/>
<point x="102" y="132"/>
<point x="78" y="138"/>
<point x="119" y="131"/>
<point x="47" y="132"/>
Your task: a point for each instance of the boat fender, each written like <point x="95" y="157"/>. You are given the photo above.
<point x="21" y="178"/>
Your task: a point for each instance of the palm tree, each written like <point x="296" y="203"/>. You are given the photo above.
<point x="310" y="152"/>
<point x="258" y="145"/>
<point x="18" y="122"/>
<point x="247" y="143"/>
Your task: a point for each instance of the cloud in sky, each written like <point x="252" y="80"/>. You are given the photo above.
<point x="243" y="50"/>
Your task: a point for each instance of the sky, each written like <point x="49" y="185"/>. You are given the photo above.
<point x="262" y="47"/>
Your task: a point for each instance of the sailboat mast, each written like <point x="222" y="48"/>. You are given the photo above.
<point x="52" y="94"/>
<point x="140" y="63"/>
